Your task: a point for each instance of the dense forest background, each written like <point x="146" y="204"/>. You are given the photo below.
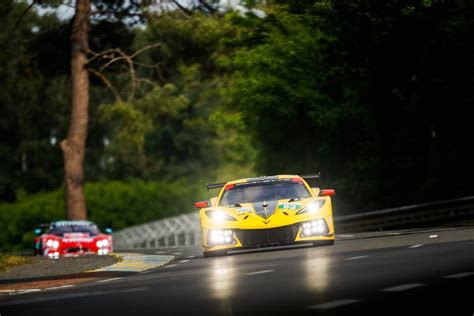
<point x="375" y="95"/>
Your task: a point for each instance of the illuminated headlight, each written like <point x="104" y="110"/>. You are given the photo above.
<point x="219" y="217"/>
<point x="220" y="237"/>
<point x="314" y="228"/>
<point x="102" y="243"/>
<point x="101" y="252"/>
<point x="52" y="243"/>
<point x="312" y="207"/>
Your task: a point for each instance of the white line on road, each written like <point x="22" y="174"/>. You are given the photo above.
<point x="355" y="258"/>
<point x="345" y="236"/>
<point x="171" y="265"/>
<point x="416" y="246"/>
<point x="160" y="252"/>
<point x="59" y="287"/>
<point x="433" y="236"/>
<point x="393" y="234"/>
<point x="333" y="304"/>
<point x="30" y="291"/>
<point x="402" y="287"/>
<point x="260" y="272"/>
<point x="459" y="275"/>
<point x="184" y="261"/>
<point x="108" y="280"/>
<point x="190" y="257"/>
<point x="177" y="253"/>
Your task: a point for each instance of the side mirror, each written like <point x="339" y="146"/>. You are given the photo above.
<point x="202" y="204"/>
<point x="328" y="192"/>
<point x="38" y="231"/>
<point x="108" y="231"/>
<point x="214" y="201"/>
<point x="316" y="191"/>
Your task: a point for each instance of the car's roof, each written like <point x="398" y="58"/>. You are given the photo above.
<point x="263" y="178"/>
<point x="72" y="223"/>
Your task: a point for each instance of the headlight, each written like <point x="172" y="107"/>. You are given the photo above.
<point x="52" y="243"/>
<point x="219" y="217"/>
<point x="220" y="237"/>
<point x="102" y="243"/>
<point x="312" y="207"/>
<point x="314" y="228"/>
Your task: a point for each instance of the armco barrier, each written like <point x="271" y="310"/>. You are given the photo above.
<point x="184" y="230"/>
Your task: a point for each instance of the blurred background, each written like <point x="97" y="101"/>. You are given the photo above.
<point x="375" y="95"/>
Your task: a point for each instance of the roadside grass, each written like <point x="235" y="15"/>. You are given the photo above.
<point x="9" y="261"/>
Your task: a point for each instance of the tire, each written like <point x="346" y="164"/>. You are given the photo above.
<point x="217" y="253"/>
<point x="323" y="243"/>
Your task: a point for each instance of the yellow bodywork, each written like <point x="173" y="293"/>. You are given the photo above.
<point x="284" y="215"/>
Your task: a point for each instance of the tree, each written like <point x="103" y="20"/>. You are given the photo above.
<point x="74" y="145"/>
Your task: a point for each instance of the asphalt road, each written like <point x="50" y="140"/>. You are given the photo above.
<point x="428" y="272"/>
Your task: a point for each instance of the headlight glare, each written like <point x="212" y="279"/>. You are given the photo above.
<point x="312" y="207"/>
<point x="220" y="237"/>
<point x="219" y="217"/>
<point x="314" y="228"/>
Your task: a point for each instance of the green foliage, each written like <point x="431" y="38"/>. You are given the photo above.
<point x="110" y="204"/>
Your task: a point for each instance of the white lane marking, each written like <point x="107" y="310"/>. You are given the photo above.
<point x="160" y="252"/>
<point x="59" y="287"/>
<point x="333" y="304"/>
<point x="183" y="261"/>
<point x="190" y="257"/>
<point x="171" y="265"/>
<point x="355" y="258"/>
<point x="433" y="236"/>
<point x="260" y="272"/>
<point x="416" y="246"/>
<point x="29" y="291"/>
<point x="72" y="295"/>
<point x="459" y="275"/>
<point x="7" y="291"/>
<point x="390" y="234"/>
<point x="402" y="287"/>
<point x="177" y="253"/>
<point x="108" y="280"/>
<point x="345" y="236"/>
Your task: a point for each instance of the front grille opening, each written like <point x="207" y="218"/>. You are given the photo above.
<point x="267" y="237"/>
<point x="77" y="249"/>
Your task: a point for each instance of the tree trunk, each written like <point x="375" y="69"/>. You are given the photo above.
<point x="73" y="146"/>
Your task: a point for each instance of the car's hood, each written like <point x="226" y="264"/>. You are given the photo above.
<point x="265" y="209"/>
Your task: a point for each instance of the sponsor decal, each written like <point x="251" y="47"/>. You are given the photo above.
<point x="289" y="206"/>
<point x="244" y="210"/>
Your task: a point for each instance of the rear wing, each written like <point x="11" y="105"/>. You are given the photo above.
<point x="312" y="176"/>
<point x="215" y="185"/>
<point x="219" y="185"/>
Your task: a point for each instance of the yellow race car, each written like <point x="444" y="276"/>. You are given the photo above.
<point x="264" y="212"/>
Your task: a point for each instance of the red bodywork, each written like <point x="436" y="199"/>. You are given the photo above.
<point x="72" y="244"/>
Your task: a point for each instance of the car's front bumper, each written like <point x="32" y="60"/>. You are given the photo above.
<point x="270" y="237"/>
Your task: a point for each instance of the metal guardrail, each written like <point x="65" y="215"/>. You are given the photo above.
<point x="184" y="230"/>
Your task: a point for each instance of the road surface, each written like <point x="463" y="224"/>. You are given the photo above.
<point x="424" y="272"/>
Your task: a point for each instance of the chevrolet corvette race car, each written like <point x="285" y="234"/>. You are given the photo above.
<point x="72" y="238"/>
<point x="265" y="211"/>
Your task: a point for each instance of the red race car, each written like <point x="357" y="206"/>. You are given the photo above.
<point x="72" y="238"/>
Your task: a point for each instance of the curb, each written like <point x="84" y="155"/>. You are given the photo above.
<point x="134" y="262"/>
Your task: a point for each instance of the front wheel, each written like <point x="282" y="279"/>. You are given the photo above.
<point x="217" y="253"/>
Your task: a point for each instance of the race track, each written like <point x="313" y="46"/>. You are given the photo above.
<point x="422" y="272"/>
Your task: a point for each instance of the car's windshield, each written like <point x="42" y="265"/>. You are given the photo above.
<point x="60" y="230"/>
<point x="264" y="191"/>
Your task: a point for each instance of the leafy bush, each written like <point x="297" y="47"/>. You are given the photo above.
<point x="110" y="204"/>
